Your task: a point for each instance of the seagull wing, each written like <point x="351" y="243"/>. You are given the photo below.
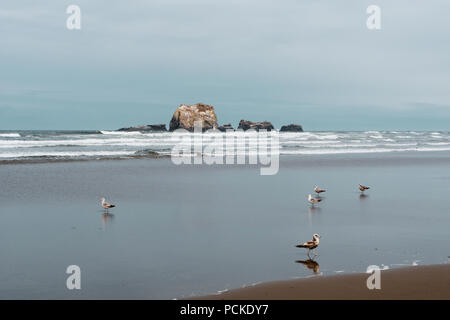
<point x="307" y="244"/>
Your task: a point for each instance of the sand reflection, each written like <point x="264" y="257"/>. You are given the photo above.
<point x="310" y="264"/>
<point x="107" y="220"/>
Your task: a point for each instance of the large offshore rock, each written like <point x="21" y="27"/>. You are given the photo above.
<point x="185" y="116"/>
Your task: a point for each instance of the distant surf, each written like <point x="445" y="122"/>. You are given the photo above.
<point x="96" y="145"/>
<point x="9" y="135"/>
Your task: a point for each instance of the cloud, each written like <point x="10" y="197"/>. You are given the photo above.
<point x="250" y="57"/>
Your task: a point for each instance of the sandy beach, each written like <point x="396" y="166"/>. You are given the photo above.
<point x="412" y="283"/>
<point x="228" y="150"/>
<point x="160" y="243"/>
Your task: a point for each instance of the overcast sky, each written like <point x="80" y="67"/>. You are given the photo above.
<point x="308" y="62"/>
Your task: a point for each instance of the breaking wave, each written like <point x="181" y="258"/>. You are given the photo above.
<point x="22" y="145"/>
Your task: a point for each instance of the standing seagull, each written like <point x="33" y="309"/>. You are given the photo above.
<point x="313" y="200"/>
<point x="318" y="190"/>
<point x="363" y="188"/>
<point x="310" y="245"/>
<point x="106" y="205"/>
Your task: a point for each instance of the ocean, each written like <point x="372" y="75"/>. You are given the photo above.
<point x="91" y="145"/>
<point x="179" y="231"/>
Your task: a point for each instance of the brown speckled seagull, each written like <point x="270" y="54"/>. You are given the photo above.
<point x="106" y="205"/>
<point x="313" y="200"/>
<point x="310" y="245"/>
<point x="363" y="188"/>
<point x="318" y="190"/>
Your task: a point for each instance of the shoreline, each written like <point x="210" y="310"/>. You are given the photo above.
<point x="374" y="158"/>
<point x="431" y="282"/>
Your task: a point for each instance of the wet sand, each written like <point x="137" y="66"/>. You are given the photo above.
<point x="194" y="230"/>
<point x="412" y="283"/>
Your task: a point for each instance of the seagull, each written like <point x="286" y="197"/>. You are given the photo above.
<point x="313" y="200"/>
<point x="318" y="190"/>
<point x="310" y="245"/>
<point x="363" y="188"/>
<point x="106" y="205"/>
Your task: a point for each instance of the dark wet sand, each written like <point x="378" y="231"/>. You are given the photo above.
<point x="424" y="282"/>
<point x="188" y="231"/>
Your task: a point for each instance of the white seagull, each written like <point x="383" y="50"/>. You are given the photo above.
<point x="310" y="245"/>
<point x="106" y="205"/>
<point x="313" y="200"/>
<point x="318" y="190"/>
<point x="363" y="188"/>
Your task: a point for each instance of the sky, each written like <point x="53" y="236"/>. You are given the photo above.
<point x="313" y="63"/>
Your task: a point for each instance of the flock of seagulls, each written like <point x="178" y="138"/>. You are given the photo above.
<point x="317" y="199"/>
<point x="314" y="243"/>
<point x="310" y="245"/>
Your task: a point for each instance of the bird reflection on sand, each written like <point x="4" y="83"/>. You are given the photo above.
<point x="310" y="264"/>
<point x="107" y="219"/>
<point x="363" y="196"/>
<point x="312" y="211"/>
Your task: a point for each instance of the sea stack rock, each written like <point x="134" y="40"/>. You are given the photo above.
<point x="292" y="128"/>
<point x="146" y="128"/>
<point x="246" y="125"/>
<point x="225" y="127"/>
<point x="185" y="116"/>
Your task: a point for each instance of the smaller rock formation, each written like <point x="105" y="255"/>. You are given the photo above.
<point x="146" y="128"/>
<point x="149" y="153"/>
<point x="225" y="127"/>
<point x="292" y="128"/>
<point x="186" y="115"/>
<point x="246" y="125"/>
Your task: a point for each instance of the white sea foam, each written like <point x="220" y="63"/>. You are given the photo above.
<point x="438" y="143"/>
<point x="10" y="135"/>
<point x="121" y="133"/>
<point x="355" y="151"/>
<point x="114" y="143"/>
<point x="64" y="154"/>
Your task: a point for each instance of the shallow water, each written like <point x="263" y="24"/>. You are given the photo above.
<point x="180" y="231"/>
